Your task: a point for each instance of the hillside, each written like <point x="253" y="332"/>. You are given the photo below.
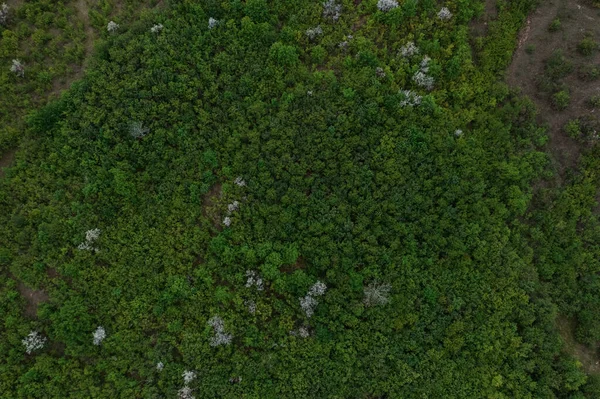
<point x="288" y="199"/>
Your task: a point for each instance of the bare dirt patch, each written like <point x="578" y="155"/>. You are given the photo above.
<point x="300" y="264"/>
<point x="6" y="160"/>
<point x="211" y="205"/>
<point x="479" y="26"/>
<point x="32" y="297"/>
<point x="359" y="23"/>
<point x="536" y="45"/>
<point x="83" y="10"/>
<point x="52" y="273"/>
<point x="588" y="356"/>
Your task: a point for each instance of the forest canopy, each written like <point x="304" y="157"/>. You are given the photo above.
<point x="293" y="199"/>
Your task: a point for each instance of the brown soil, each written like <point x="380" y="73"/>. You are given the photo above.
<point x="6" y="160"/>
<point x="52" y="273"/>
<point x="479" y="26"/>
<point x="577" y="18"/>
<point x="299" y="265"/>
<point x="83" y="10"/>
<point x="32" y="297"/>
<point x="359" y="23"/>
<point x="588" y="356"/>
<point x="211" y="205"/>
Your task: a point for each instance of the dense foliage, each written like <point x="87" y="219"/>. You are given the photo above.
<point x="239" y="204"/>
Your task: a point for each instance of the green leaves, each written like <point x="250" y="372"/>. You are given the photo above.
<point x="283" y="55"/>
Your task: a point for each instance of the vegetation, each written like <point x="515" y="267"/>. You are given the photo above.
<point x="561" y="99"/>
<point x="555" y="25"/>
<point x="231" y="206"/>
<point x="587" y="46"/>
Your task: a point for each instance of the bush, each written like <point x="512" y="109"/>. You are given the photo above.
<point x="530" y="48"/>
<point x="573" y="128"/>
<point x="594" y="101"/>
<point x="318" y="54"/>
<point x="558" y="66"/>
<point x="284" y="55"/>
<point x="561" y="99"/>
<point x="588" y="73"/>
<point x="587" y="46"/>
<point x="555" y="25"/>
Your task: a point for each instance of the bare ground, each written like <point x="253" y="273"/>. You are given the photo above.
<point x="588" y="356"/>
<point x="577" y="18"/>
<point x="211" y="204"/>
<point x="300" y="264"/>
<point x="479" y="26"/>
<point x="83" y="10"/>
<point x="6" y="160"/>
<point x="33" y="298"/>
<point x="535" y="45"/>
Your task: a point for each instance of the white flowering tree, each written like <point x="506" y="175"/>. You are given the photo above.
<point x="409" y="49"/>
<point x="157" y="28"/>
<point x="251" y="305"/>
<point x="239" y="181"/>
<point x="376" y="294"/>
<point x="99" y="335"/>
<point x="220" y="337"/>
<point x="409" y="98"/>
<point x="308" y="303"/>
<point x="17" y="68"/>
<point x="34" y="341"/>
<point x="185" y="393"/>
<point x="212" y="23"/>
<point x="444" y="14"/>
<point x="91" y="236"/>
<point x="188" y="376"/>
<point x="332" y="10"/>
<point x="421" y="78"/>
<point x="302" y="332"/>
<point x="424" y="80"/>
<point x="4" y="14"/>
<point x="160" y="366"/>
<point x="137" y="129"/>
<point x="234" y="206"/>
<point x="254" y="279"/>
<point x="112" y="27"/>
<point x="386" y="5"/>
<point x="312" y="33"/>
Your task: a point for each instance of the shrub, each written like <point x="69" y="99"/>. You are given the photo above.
<point x="561" y="99"/>
<point x="572" y="128"/>
<point x="318" y="54"/>
<point x="588" y="72"/>
<point x="558" y="66"/>
<point x="594" y="101"/>
<point x="587" y="46"/>
<point x="555" y="25"/>
<point x="530" y="48"/>
<point x="284" y="55"/>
